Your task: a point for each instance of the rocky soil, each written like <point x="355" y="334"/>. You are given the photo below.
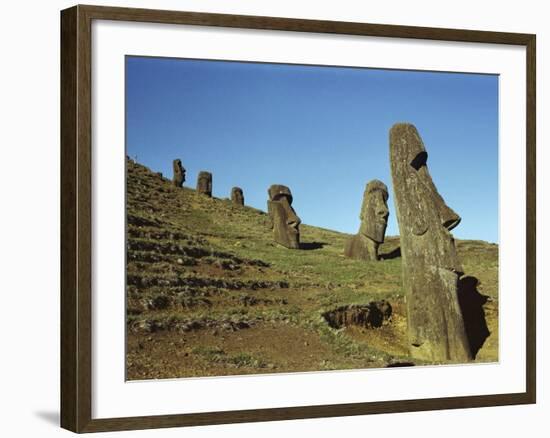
<point x="209" y="293"/>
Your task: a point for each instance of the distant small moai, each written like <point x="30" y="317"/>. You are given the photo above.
<point x="374" y="220"/>
<point x="431" y="268"/>
<point x="179" y="173"/>
<point x="204" y="183"/>
<point x="285" y="222"/>
<point x="237" y="196"/>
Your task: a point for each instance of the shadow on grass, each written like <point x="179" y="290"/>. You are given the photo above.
<point x="471" y="303"/>
<point x="312" y="245"/>
<point x="400" y="364"/>
<point x="392" y="254"/>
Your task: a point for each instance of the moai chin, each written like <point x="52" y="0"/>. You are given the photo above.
<point x="179" y="173"/>
<point x="431" y="268"/>
<point x="285" y="221"/>
<point x="204" y="183"/>
<point x="374" y="220"/>
<point x="237" y="196"/>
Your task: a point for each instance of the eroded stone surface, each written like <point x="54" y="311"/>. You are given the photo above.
<point x="179" y="173"/>
<point x="284" y="220"/>
<point x="374" y="220"/>
<point x="204" y="183"/>
<point x="431" y="268"/>
<point x="237" y="196"/>
<point x="371" y="315"/>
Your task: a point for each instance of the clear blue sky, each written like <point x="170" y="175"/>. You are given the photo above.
<point x="322" y="131"/>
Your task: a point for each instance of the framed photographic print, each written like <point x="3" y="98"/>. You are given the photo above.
<point x="270" y="218"/>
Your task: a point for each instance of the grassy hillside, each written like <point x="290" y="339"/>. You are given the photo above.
<point x="210" y="293"/>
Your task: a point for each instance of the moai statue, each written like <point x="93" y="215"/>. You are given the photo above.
<point x="179" y="173"/>
<point x="284" y="220"/>
<point x="204" y="183"/>
<point x="374" y="220"/>
<point x="237" y="196"/>
<point x="431" y="268"/>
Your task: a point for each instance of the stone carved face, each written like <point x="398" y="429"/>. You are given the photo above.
<point x="237" y="196"/>
<point x="179" y="173"/>
<point x="422" y="212"/>
<point x="204" y="183"/>
<point x="374" y="211"/>
<point x="431" y="267"/>
<point x="286" y="223"/>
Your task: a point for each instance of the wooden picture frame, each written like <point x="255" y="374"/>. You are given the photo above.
<point x="76" y="218"/>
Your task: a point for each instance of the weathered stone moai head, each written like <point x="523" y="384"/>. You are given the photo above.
<point x="374" y="220"/>
<point x="374" y="211"/>
<point x="285" y="221"/>
<point x="179" y="173"/>
<point x="431" y="268"/>
<point x="204" y="183"/>
<point x="237" y="196"/>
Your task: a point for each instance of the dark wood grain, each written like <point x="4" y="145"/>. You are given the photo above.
<point x="84" y="212"/>
<point x="76" y="222"/>
<point x="531" y="218"/>
<point x="339" y="410"/>
<point x="76" y="253"/>
<point x="69" y="329"/>
<point x="300" y="25"/>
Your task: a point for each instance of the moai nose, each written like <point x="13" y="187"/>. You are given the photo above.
<point x="383" y="212"/>
<point x="449" y="219"/>
<point x="293" y="220"/>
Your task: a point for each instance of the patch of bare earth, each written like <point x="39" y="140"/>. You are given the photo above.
<point x="264" y="348"/>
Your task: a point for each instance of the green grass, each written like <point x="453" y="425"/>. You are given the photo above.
<point x="182" y="241"/>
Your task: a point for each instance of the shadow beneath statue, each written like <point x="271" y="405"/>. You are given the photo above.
<point x="400" y="364"/>
<point x="392" y="254"/>
<point x="312" y="245"/>
<point x="471" y="304"/>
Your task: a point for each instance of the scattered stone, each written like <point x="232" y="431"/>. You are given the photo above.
<point x="248" y="300"/>
<point x="158" y="303"/>
<point x="192" y="302"/>
<point x="226" y="265"/>
<point x="374" y="220"/>
<point x="371" y="315"/>
<point x="284" y="221"/>
<point x="430" y="265"/>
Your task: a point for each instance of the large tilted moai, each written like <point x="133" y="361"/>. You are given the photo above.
<point x="431" y="268"/>
<point x="374" y="220"/>
<point x="179" y="173"/>
<point x="204" y="183"/>
<point x="237" y="196"/>
<point x="285" y="221"/>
